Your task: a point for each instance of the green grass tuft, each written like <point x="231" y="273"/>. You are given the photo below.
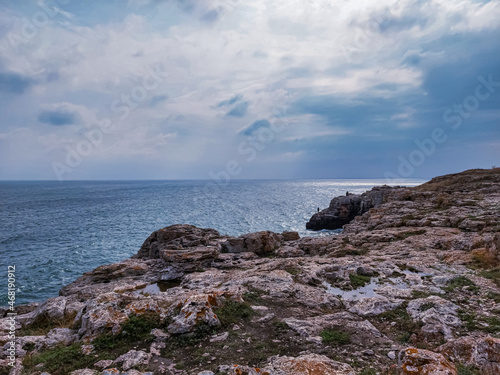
<point x="493" y="274"/>
<point x="335" y="337"/>
<point x="420" y="294"/>
<point x="494" y="296"/>
<point x="467" y="370"/>
<point x="426" y="306"/>
<point x="62" y="359"/>
<point x="358" y="281"/>
<point x="254" y="296"/>
<point x="232" y="312"/>
<point x="404" y="323"/>
<point x="461" y="282"/>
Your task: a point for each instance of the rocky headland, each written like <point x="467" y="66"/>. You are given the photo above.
<point x="410" y="286"/>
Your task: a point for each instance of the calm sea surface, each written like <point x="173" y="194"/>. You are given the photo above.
<point x="54" y="231"/>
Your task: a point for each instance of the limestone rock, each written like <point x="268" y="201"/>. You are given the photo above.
<point x="191" y="255"/>
<point x="438" y="314"/>
<point x="344" y="209"/>
<point x="104" y="363"/>
<point x="87" y="349"/>
<point x="98" y="317"/>
<point x="176" y="237"/>
<point x="115" y="371"/>
<point x="240" y="370"/>
<point x="20" y="309"/>
<point x="58" y="336"/>
<point x="290" y="236"/>
<point x="52" y="309"/>
<point x="85" y="371"/>
<point x="260" y="243"/>
<point x="196" y="310"/>
<point x="424" y="362"/>
<point x="482" y="352"/>
<point x="133" y="358"/>
<point x="306" y="365"/>
<point x="365" y="332"/>
<point x="38" y="342"/>
<point x="130" y="267"/>
<point x="371" y="306"/>
<point x="289" y="252"/>
<point x="220" y="337"/>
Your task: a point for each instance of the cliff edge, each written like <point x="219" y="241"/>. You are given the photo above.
<point x="411" y="286"/>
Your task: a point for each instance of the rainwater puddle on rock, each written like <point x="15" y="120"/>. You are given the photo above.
<point x="353" y="295"/>
<point x="421" y="274"/>
<point x="370" y="289"/>
<point x="159" y="287"/>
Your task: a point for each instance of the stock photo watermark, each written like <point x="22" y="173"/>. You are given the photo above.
<point x="248" y="150"/>
<point x="30" y="27"/>
<point x="121" y="107"/>
<point x="360" y="40"/>
<point x="11" y="315"/>
<point x="454" y="115"/>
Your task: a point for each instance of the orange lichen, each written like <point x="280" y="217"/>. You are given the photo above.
<point x="422" y="362"/>
<point x="212" y="299"/>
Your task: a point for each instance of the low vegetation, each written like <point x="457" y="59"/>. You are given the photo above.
<point x="460" y="282"/>
<point x="254" y="296"/>
<point x="61" y="360"/>
<point x="474" y="322"/>
<point x="358" y="281"/>
<point x="335" y="337"/>
<point x="401" y="323"/>
<point x="232" y="312"/>
<point x="493" y="275"/>
<point x="44" y="325"/>
<point x="467" y="370"/>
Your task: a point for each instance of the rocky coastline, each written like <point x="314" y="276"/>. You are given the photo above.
<point x="410" y="286"/>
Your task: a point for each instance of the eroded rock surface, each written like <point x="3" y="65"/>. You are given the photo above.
<point x="343" y="210"/>
<point x="419" y="361"/>
<point x="411" y="285"/>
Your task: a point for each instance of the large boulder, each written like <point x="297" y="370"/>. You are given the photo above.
<point x="424" y="362"/>
<point x="196" y="310"/>
<point x="175" y="237"/>
<point x="372" y="306"/>
<point x="344" y="209"/>
<point x="261" y="243"/>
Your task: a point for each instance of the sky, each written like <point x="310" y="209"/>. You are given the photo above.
<point x="230" y="89"/>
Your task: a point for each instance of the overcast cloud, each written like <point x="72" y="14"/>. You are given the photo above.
<point x="178" y="88"/>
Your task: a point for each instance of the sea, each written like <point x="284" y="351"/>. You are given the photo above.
<point x="53" y="232"/>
